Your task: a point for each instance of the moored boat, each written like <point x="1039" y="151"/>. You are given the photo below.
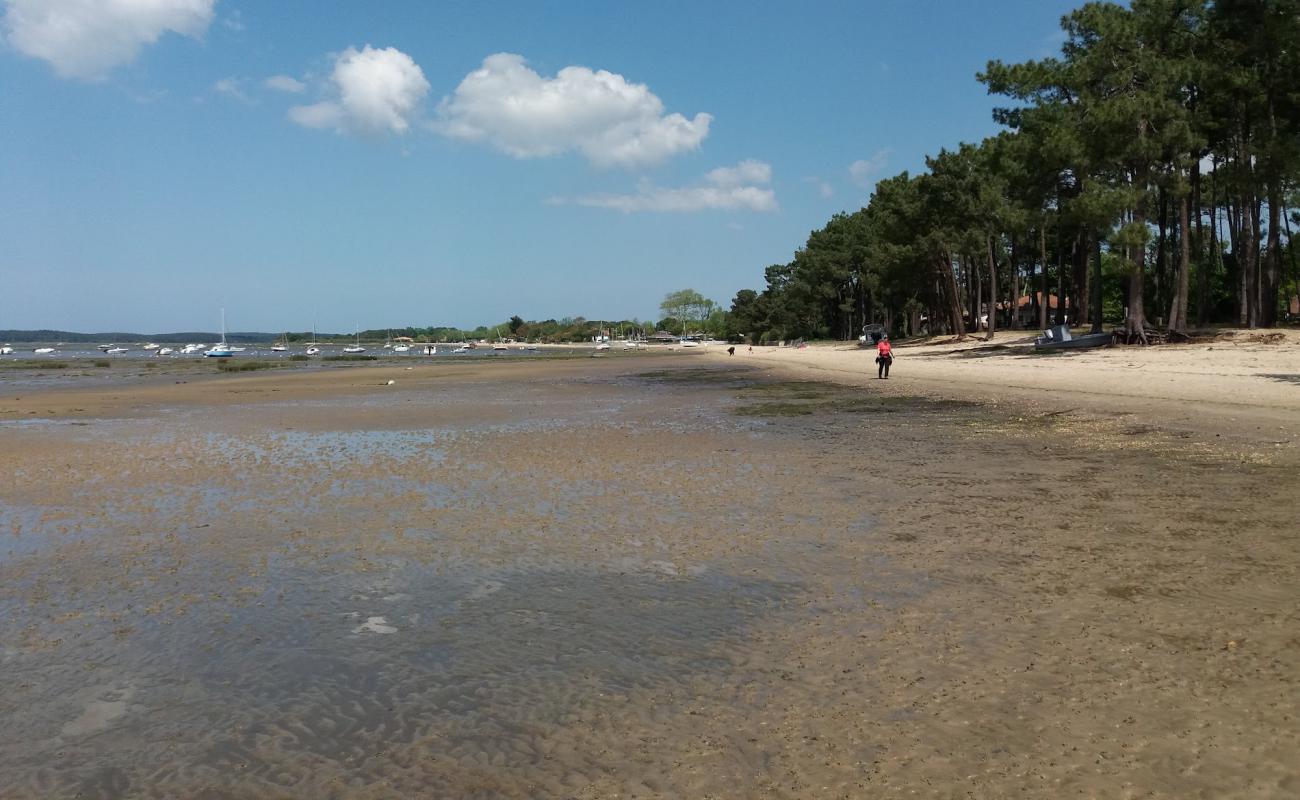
<point x="221" y="349"/>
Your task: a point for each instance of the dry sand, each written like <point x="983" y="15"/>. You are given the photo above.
<point x="681" y="576"/>
<point x="1241" y="381"/>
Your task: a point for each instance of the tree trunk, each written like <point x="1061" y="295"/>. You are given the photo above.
<point x="1202" y="264"/>
<point x="1253" y="273"/>
<point x="993" y="282"/>
<point x="949" y="281"/>
<point x="1160" y="289"/>
<point x="1015" y="287"/>
<point x="1098" y="320"/>
<point x="1042" y="254"/>
<point x="1271" y="281"/>
<point x="1295" y="270"/>
<point x="1135" y="323"/>
<point x="1178" y="307"/>
<point x="1060" y="278"/>
<point x="1079" y="296"/>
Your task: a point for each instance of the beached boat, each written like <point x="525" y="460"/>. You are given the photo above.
<point x="430" y="350"/>
<point x="164" y="351"/>
<point x="149" y="346"/>
<point x="112" y="351"/>
<point x="281" y="345"/>
<point x="191" y="348"/>
<point x="6" y="350"/>
<point x="43" y="350"/>
<point x="1058" y="337"/>
<point x="220" y="349"/>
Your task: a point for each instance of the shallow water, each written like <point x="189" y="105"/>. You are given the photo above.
<point x="446" y="593"/>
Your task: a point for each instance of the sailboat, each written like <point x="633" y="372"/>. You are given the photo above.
<point x="220" y="349"/>
<point x="402" y="344"/>
<point x="355" y="348"/>
<point x="282" y="345"/>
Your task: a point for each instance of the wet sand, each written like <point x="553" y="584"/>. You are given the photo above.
<point x="672" y="576"/>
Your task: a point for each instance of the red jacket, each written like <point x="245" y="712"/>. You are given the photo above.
<point x="884" y="349"/>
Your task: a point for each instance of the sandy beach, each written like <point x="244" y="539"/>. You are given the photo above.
<point x="1240" y="380"/>
<point x="671" y="574"/>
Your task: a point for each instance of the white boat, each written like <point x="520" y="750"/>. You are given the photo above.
<point x="355" y="348"/>
<point x="313" y="349"/>
<point x="104" y="347"/>
<point x="464" y="348"/>
<point x="111" y="351"/>
<point x="6" y="350"/>
<point x="149" y="346"/>
<point x="221" y="349"/>
<point x="402" y="344"/>
<point x="164" y="351"/>
<point x="431" y="349"/>
<point x="281" y="346"/>
<point x="43" y="350"/>
<point x="191" y="348"/>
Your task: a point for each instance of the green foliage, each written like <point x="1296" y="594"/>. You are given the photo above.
<point x="1101" y="138"/>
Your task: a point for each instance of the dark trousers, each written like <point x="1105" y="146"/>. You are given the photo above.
<point x="882" y="368"/>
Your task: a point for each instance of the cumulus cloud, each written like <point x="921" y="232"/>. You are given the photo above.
<point x="284" y="83"/>
<point x="738" y="188"/>
<point x="863" y="170"/>
<point x="600" y="114"/>
<point x="372" y="91"/>
<point x="86" y="39"/>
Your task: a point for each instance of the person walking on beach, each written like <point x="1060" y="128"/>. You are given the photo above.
<point x="884" y="357"/>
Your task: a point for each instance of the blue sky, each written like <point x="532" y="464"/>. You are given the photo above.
<point x="386" y="163"/>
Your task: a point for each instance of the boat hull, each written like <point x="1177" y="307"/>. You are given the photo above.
<point x="1076" y="343"/>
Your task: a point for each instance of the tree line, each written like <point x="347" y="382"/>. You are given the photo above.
<point x="1143" y="179"/>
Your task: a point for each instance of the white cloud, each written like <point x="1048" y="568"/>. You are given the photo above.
<point x="230" y="87"/>
<point x="747" y="171"/>
<point x="597" y="113"/>
<point x="823" y="187"/>
<point x="726" y="188"/>
<point x="87" y="38"/>
<point x="862" y="170"/>
<point x="284" y="83"/>
<point x="373" y="92"/>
